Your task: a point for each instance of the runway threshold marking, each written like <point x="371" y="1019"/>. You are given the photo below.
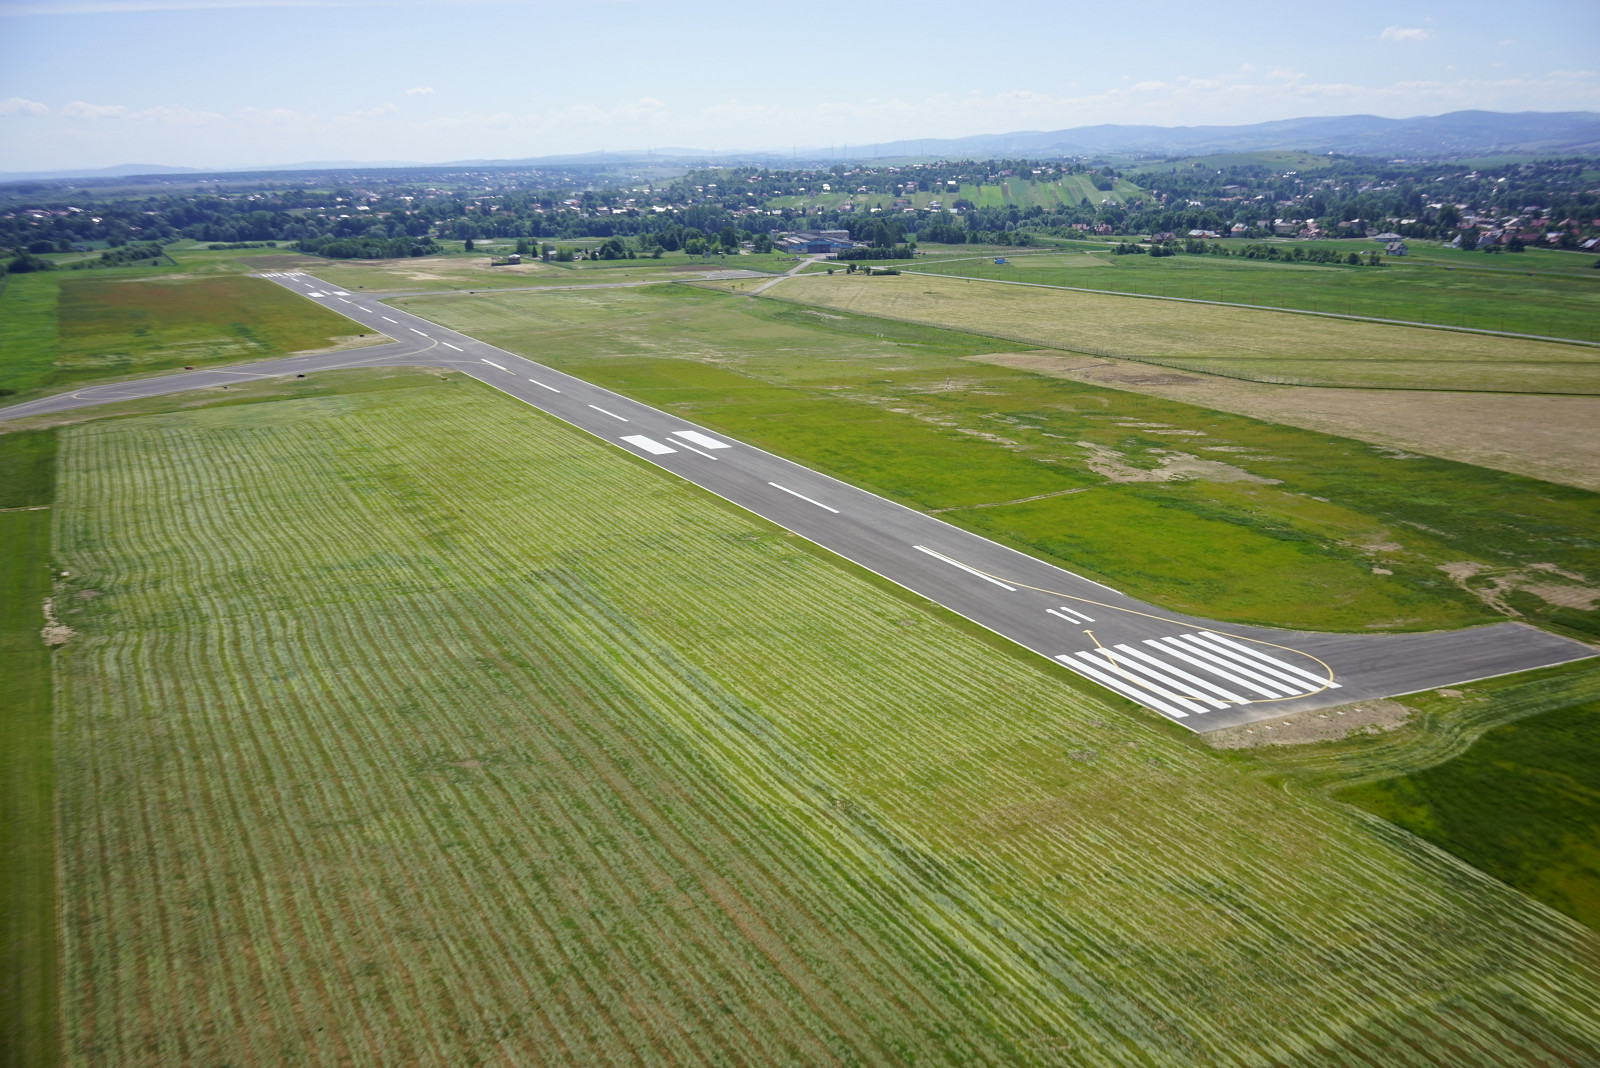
<point x="803" y="497"/>
<point x="1070" y="615"/>
<point x="649" y="445"/>
<point x="964" y="567"/>
<point x="602" y="411"/>
<point x="1233" y="639"/>
<point x="491" y="363"/>
<point x="541" y="385"/>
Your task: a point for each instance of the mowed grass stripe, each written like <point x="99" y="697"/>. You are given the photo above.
<point x="534" y="751"/>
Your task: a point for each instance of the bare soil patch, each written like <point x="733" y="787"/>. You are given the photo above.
<point x="1327" y="725"/>
<point x="1548" y="437"/>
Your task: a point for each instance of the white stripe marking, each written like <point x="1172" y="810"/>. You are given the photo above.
<point x="649" y="445"/>
<point x="386" y="319"/>
<point x="1199" y="648"/>
<point x="601" y="410"/>
<point x="1174" y="649"/>
<point x="803" y="497"/>
<point x="1072" y="615"/>
<point x="541" y="385"/>
<point x="1296" y="686"/>
<point x="696" y="451"/>
<point x="1112" y="683"/>
<point x="1139" y="654"/>
<point x="1319" y="680"/>
<point x="447" y="345"/>
<point x="964" y="567"/>
<point x="414" y="330"/>
<point x="702" y="440"/>
<point x="341" y="292"/>
<point x="1183" y="700"/>
<point x="347" y="301"/>
<point x="496" y="366"/>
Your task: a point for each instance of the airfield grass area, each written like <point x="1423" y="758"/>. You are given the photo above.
<point x="60" y="329"/>
<point x="1523" y="804"/>
<point x="413" y="726"/>
<point x="1198" y="510"/>
<point x="1259" y="346"/>
<point x="28" y="966"/>
<point x="1486" y="293"/>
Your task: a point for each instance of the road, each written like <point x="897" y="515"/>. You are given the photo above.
<point x="1202" y="674"/>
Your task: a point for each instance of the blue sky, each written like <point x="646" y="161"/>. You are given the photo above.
<point x="231" y="83"/>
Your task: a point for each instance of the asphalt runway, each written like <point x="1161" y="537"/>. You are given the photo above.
<point x="1202" y="674"/>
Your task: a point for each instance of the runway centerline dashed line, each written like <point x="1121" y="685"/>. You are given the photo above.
<point x="541" y="385"/>
<point x="447" y="345"/>
<point x="496" y="366"/>
<point x="602" y="411"/>
<point x="803" y="497"/>
<point x="964" y="567"/>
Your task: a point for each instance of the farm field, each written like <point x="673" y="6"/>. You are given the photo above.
<point x="28" y="972"/>
<point x="1545" y="303"/>
<point x="428" y="749"/>
<point x="1523" y="804"/>
<point x="63" y="329"/>
<point x="1233" y="342"/>
<point x="1185" y="506"/>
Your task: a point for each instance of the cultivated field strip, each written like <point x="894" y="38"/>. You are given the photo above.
<point x="416" y="727"/>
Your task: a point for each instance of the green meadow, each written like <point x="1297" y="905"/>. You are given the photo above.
<point x="1523" y="804"/>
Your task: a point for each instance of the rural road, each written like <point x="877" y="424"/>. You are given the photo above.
<point x="1197" y="672"/>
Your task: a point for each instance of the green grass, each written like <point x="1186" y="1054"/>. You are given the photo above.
<point x="896" y="409"/>
<point x="1523" y="804"/>
<point x="28" y="974"/>
<point x="1259" y="346"/>
<point x="429" y="729"/>
<point x="1483" y="293"/>
<point x="64" y="329"/>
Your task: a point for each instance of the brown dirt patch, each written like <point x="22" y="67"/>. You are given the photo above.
<point x="1326" y="725"/>
<point x="1548" y="437"/>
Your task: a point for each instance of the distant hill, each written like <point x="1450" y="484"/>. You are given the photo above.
<point x="1455" y="135"/>
<point x="1458" y="134"/>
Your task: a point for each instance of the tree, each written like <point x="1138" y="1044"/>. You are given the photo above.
<point x="729" y="239"/>
<point x="469" y="245"/>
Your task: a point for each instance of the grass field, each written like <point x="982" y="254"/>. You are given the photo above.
<point x="28" y="968"/>
<point x="1523" y="804"/>
<point x="1259" y="346"/>
<point x="427" y="730"/>
<point x="60" y="329"/>
<point x="1482" y="293"/>
<point x="1192" y="508"/>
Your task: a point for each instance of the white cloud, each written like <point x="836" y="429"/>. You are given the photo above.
<point x="421" y="90"/>
<point x="80" y="109"/>
<point x="16" y="105"/>
<point x="164" y="116"/>
<point x="1401" y="33"/>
